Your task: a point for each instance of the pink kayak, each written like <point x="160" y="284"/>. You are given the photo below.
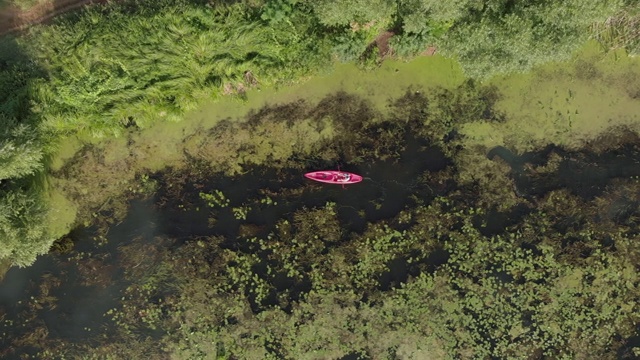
<point x="334" y="177"/>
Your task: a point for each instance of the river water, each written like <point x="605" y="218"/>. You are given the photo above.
<point x="65" y="295"/>
<point x="77" y="288"/>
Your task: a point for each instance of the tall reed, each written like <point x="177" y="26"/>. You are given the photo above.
<point x="110" y="67"/>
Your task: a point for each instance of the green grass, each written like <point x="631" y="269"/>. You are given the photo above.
<point x="109" y="68"/>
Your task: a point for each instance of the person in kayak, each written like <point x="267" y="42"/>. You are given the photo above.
<point x="343" y="177"/>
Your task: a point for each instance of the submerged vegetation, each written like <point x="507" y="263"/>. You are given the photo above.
<point x="415" y="262"/>
<point x="498" y="216"/>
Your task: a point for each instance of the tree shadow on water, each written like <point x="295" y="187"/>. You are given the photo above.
<point x="584" y="173"/>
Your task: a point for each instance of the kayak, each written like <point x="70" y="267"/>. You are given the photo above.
<point x="334" y="177"/>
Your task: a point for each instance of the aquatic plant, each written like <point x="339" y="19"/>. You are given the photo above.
<point x="555" y="279"/>
<point x="144" y="186"/>
<point x="215" y="199"/>
<point x="267" y="200"/>
<point x="513" y="294"/>
<point x="240" y="213"/>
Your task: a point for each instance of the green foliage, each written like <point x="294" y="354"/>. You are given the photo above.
<point x="492" y="297"/>
<point x="275" y="11"/>
<point x="350" y="45"/>
<point x="110" y="67"/>
<point x="23" y="147"/>
<point x="268" y="201"/>
<point x="488" y="37"/>
<point x="432" y="16"/>
<point x="214" y="199"/>
<point x="423" y="22"/>
<point x="135" y="63"/>
<point x="555" y="282"/>
<point x="495" y="298"/>
<point x="17" y="73"/>
<point x="23" y="225"/>
<point x="307" y="288"/>
<point x="440" y="112"/>
<point x="341" y="13"/>
<point x="507" y="37"/>
<point x="240" y="213"/>
<point x="409" y="45"/>
<point x="21" y="150"/>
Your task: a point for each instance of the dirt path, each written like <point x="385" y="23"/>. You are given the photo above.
<point x="14" y="19"/>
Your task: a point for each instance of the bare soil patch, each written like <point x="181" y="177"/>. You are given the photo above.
<point x="381" y="42"/>
<point x="430" y="51"/>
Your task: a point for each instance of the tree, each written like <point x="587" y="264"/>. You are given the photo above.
<point x="513" y="36"/>
<point x="418" y="16"/>
<point x="23" y="233"/>
<point x="23" y="225"/>
<point x="345" y="12"/>
<point x="21" y="150"/>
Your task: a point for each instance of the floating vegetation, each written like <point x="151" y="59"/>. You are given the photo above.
<point x="240" y="213"/>
<point x="450" y="244"/>
<point x="215" y="199"/>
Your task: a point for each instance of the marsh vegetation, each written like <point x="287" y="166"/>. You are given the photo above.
<point x="418" y="260"/>
<point x="499" y="216"/>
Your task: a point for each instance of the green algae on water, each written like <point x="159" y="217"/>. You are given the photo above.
<point x="568" y="104"/>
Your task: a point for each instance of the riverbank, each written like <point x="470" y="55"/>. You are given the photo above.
<point x="550" y="106"/>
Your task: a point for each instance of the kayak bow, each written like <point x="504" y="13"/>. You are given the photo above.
<point x="334" y="177"/>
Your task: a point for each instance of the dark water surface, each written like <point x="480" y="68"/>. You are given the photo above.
<point x="84" y="284"/>
<point x="585" y="173"/>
